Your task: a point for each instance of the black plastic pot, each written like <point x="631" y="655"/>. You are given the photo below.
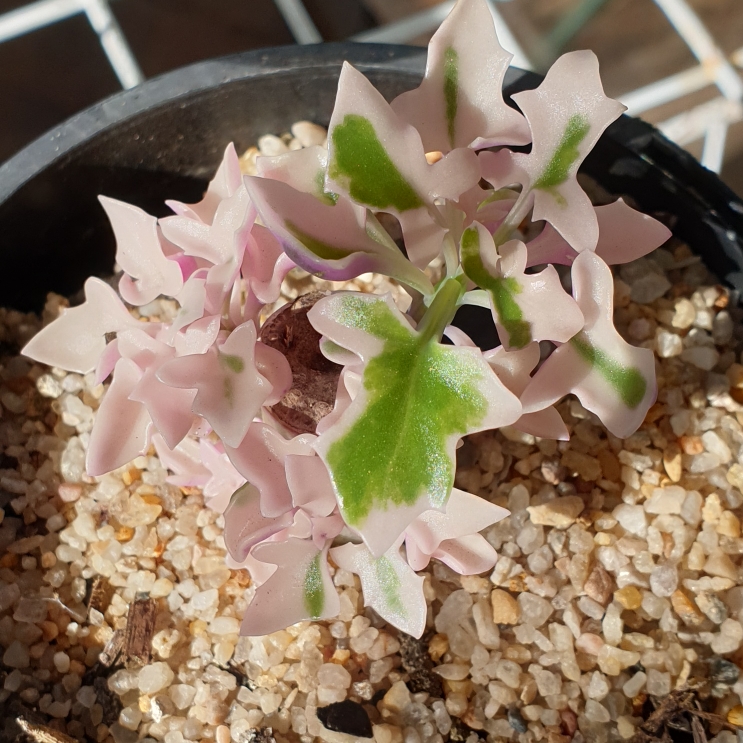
<point x="166" y="137"/>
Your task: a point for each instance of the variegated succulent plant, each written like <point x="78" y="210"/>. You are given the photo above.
<point x="372" y="487"/>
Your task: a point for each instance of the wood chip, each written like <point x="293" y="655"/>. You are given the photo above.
<point x="140" y="626"/>
<point x="42" y="733"/>
<point x="101" y="592"/>
<point x="112" y="649"/>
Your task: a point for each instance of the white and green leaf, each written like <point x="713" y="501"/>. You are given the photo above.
<point x="391" y="454"/>
<point x="389" y="585"/>
<point x="567" y="114"/>
<point x="300" y="588"/>
<point x="378" y="160"/>
<point x="610" y="377"/>
<point x="526" y="307"/>
<point x="330" y="240"/>
<point x="460" y="101"/>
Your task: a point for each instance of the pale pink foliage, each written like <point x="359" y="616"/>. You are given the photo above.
<point x="197" y="384"/>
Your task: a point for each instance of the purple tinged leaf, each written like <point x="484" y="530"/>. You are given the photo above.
<point x="300" y="589"/>
<point x="327" y="240"/>
<point x="227" y="180"/>
<point x="389" y="585"/>
<point x="611" y="378"/>
<point x="77" y="338"/>
<point x="567" y="114"/>
<point x="245" y="525"/>
<point x="326" y="528"/>
<point x="465" y="514"/>
<point x="460" y="101"/>
<point x="139" y="252"/>
<point x="261" y="459"/>
<point x="526" y="307"/>
<point x="121" y="425"/>
<point x="230" y="390"/>
<point x="625" y="235"/>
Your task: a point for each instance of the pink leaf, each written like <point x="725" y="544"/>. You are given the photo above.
<point x="300" y="588"/>
<point x="265" y="264"/>
<point x="514" y="369"/>
<point x="120" y="431"/>
<point x="303" y="170"/>
<point x="184" y="461"/>
<point x="610" y="377"/>
<point x="77" y="338"/>
<point x="389" y="585"/>
<point x="465" y="514"/>
<point x="139" y="252"/>
<point x="224" y="480"/>
<point x="460" y="101"/>
<point x="230" y="390"/>
<point x="245" y="525"/>
<point x="169" y="408"/>
<point x="227" y="180"/>
<point x="310" y="486"/>
<point x="272" y="365"/>
<point x="261" y="459"/>
<point x="199" y="337"/>
<point x="624" y="235"/>
<point x="526" y="307"/>
<point x="378" y="160"/>
<point x="468" y="555"/>
<point x="567" y="114"/>
<point x="219" y="241"/>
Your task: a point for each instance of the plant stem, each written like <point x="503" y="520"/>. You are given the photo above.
<point x="441" y="312"/>
<point x="513" y="219"/>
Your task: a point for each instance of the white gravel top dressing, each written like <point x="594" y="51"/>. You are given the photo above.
<point x="619" y="573"/>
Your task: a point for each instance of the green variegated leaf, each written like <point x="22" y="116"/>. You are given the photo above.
<point x="377" y="160"/>
<point x="611" y="378"/>
<point x="300" y="588"/>
<point x="389" y="585"/>
<point x="526" y="307"/>
<point x="460" y="101"/>
<point x="391" y="453"/>
<point x="567" y="114"/>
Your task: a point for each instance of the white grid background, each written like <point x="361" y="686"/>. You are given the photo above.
<point x="708" y="121"/>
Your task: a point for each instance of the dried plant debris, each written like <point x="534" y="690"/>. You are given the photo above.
<point x="43" y="734"/>
<point x="140" y="626"/>
<point x="680" y="712"/>
<point x="99" y="596"/>
<point x="112" y="649"/>
<point x="315" y="378"/>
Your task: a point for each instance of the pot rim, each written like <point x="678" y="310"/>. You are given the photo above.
<point x="193" y="79"/>
<point x="708" y="215"/>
